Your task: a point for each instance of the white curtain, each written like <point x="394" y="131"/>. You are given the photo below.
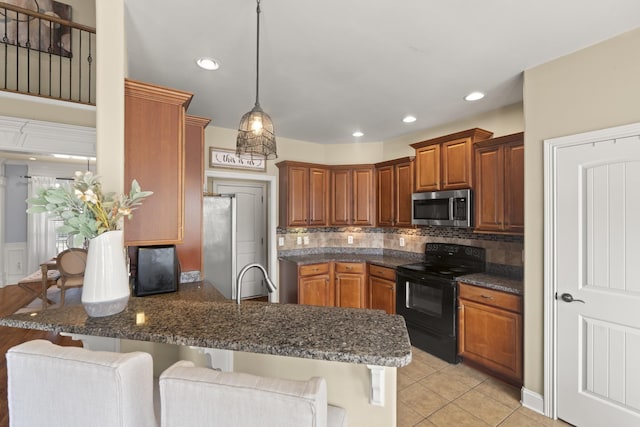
<point x="41" y="231"/>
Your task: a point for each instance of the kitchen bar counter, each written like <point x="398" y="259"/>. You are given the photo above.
<point x="197" y="315"/>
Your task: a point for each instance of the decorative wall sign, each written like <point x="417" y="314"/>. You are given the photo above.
<point x="223" y="158"/>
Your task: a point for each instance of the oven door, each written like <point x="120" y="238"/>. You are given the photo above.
<point x="427" y="302"/>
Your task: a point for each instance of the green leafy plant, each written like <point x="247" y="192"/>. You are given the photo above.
<point x="84" y="209"/>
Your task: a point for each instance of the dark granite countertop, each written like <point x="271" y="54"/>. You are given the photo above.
<point x="198" y="315"/>
<point x="493" y="281"/>
<point x="390" y="261"/>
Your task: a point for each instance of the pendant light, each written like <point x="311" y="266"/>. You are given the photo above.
<point x="255" y="133"/>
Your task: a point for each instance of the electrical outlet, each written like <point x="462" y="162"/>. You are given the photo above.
<point x="306" y="240"/>
<point x="350" y="240"/>
<point x="299" y="240"/>
<point x="280" y="241"/>
<point x="402" y="242"/>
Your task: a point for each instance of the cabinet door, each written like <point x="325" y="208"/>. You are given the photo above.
<point x="386" y="196"/>
<point x="403" y="189"/>
<point x="382" y="294"/>
<point x="363" y="197"/>
<point x="491" y="337"/>
<point x="489" y="192"/>
<point x="298" y="196"/>
<point x="428" y="168"/>
<point x="514" y="187"/>
<point x="315" y="290"/>
<point x="456" y="164"/>
<point x="350" y="290"/>
<point x="154" y="155"/>
<point x="318" y="196"/>
<point x="190" y="252"/>
<point x="340" y="197"/>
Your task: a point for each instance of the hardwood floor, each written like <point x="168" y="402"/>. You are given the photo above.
<point x="13" y="298"/>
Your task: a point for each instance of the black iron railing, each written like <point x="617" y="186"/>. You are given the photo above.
<point x="44" y="55"/>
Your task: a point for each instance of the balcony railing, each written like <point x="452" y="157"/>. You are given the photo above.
<point x="46" y="56"/>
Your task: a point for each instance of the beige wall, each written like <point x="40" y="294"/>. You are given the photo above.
<point x="595" y="88"/>
<point x="503" y="121"/>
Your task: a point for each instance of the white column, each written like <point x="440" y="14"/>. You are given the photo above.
<point x="110" y="74"/>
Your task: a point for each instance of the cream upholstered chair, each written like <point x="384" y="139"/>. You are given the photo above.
<point x="71" y="264"/>
<point x="50" y="385"/>
<point x="195" y="396"/>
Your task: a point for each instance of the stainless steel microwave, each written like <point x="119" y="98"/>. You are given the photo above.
<point x="448" y="208"/>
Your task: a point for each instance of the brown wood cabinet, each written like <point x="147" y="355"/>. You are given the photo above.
<point x="382" y="288"/>
<point x="350" y="284"/>
<point x="446" y="162"/>
<point x="154" y="156"/>
<point x="190" y="251"/>
<point x="352" y="195"/>
<point x="499" y="185"/>
<point x="490" y="331"/>
<point x="394" y="184"/>
<point x="315" y="285"/>
<point x="304" y="194"/>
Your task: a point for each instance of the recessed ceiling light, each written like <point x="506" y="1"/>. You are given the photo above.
<point x="358" y="134"/>
<point x="409" y="119"/>
<point x="32" y="158"/>
<point x="474" y="96"/>
<point x="207" y="63"/>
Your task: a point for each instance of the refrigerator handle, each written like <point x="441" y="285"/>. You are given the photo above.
<point x="234" y="266"/>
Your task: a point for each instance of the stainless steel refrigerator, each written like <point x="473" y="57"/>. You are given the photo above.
<point x="220" y="254"/>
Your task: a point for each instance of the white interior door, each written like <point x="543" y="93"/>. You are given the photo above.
<point x="251" y="223"/>
<point x="597" y="264"/>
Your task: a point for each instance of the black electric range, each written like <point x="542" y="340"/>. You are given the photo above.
<point x="427" y="296"/>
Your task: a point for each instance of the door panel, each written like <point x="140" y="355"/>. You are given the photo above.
<point x="597" y="227"/>
<point x="250" y="233"/>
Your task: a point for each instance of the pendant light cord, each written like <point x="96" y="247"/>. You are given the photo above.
<point x="258" y="53"/>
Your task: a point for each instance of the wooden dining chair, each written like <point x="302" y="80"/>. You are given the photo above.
<point x="71" y="264"/>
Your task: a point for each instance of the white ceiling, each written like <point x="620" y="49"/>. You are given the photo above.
<point x="331" y="67"/>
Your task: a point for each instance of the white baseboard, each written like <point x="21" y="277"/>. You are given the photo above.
<point x="532" y="400"/>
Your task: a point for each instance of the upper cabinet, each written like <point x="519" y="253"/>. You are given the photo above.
<point x="352" y="195"/>
<point x="499" y="188"/>
<point x="446" y="162"/>
<point x="304" y="194"/>
<point x="190" y="251"/>
<point x="154" y="150"/>
<point x="394" y="184"/>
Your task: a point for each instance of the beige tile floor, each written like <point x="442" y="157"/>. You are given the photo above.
<point x="432" y="392"/>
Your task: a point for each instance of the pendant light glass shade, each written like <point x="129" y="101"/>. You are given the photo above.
<point x="255" y="133"/>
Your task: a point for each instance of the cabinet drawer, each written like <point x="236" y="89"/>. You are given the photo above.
<point x="349" y="267"/>
<point x="313" y="269"/>
<point x="383" y="272"/>
<point x="491" y="297"/>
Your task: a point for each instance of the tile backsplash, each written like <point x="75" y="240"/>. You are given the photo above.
<point x="500" y="249"/>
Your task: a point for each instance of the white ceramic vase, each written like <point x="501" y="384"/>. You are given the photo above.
<point x="106" y="281"/>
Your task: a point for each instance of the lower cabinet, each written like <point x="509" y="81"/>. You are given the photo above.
<point x="350" y="284"/>
<point x="339" y="284"/>
<point x="490" y="331"/>
<point x="315" y="286"/>
<point x="382" y="288"/>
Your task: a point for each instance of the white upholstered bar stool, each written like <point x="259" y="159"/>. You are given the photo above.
<point x="50" y="385"/>
<point x="196" y="396"/>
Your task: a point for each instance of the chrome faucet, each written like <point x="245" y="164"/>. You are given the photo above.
<point x="270" y="285"/>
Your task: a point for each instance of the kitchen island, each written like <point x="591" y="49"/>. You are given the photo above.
<point x="356" y="350"/>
